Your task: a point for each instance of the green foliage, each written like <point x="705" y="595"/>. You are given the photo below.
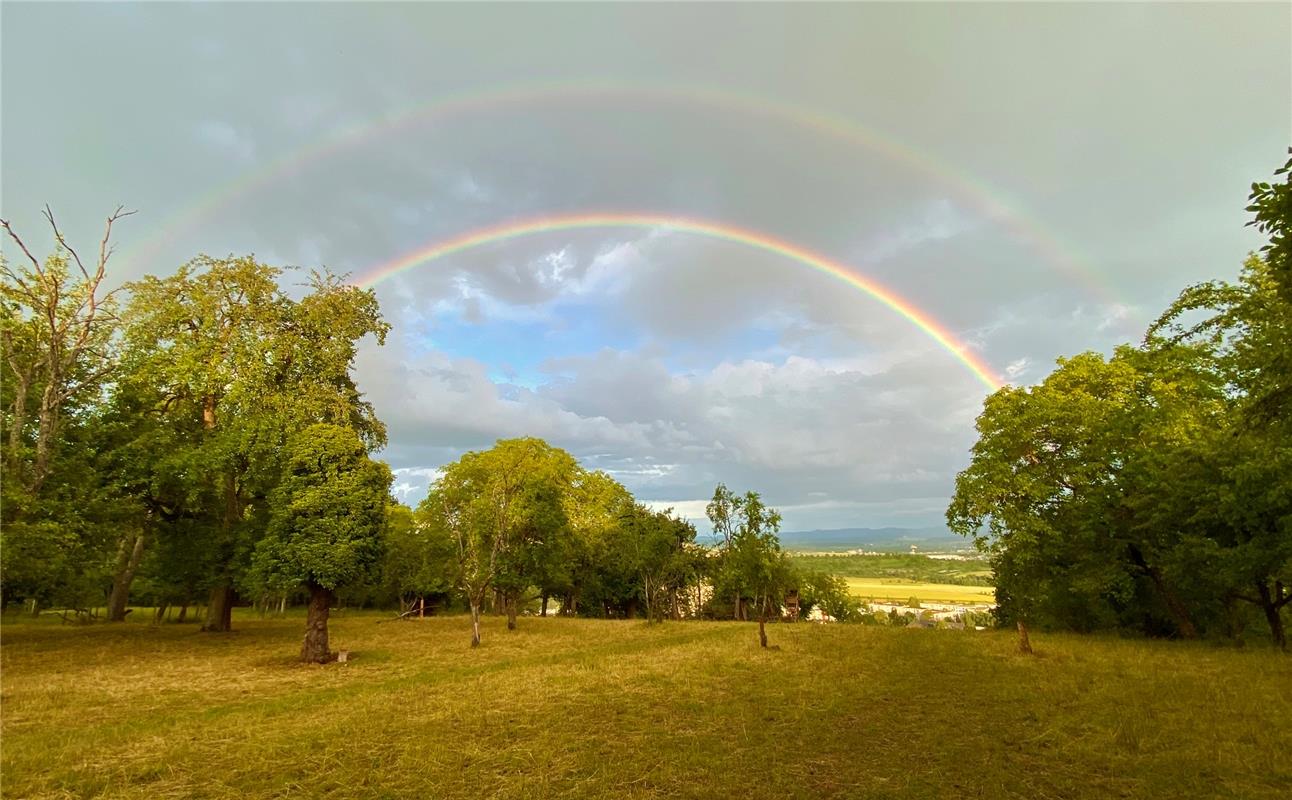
<point x="502" y="508"/>
<point x="1152" y="490"/>
<point x="1271" y="206"/>
<point x="829" y="593"/>
<point x="328" y="513"/>
<point x="751" y="566"/>
<point x="219" y="366"/>
<point x="59" y="507"/>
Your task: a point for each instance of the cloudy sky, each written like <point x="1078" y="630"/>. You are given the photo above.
<point x="1037" y="179"/>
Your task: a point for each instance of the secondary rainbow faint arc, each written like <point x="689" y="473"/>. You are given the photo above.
<point x="731" y="233"/>
<point x="973" y="190"/>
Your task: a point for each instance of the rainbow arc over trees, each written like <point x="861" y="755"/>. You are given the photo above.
<point x="515" y="229"/>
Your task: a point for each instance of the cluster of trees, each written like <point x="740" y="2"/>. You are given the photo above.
<point x="1152" y="490"/>
<point x="198" y="439"/>
<point x="524" y="522"/>
<point x="199" y="432"/>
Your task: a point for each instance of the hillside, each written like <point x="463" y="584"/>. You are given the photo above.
<point x="581" y="708"/>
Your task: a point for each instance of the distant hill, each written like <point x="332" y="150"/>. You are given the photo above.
<point x="881" y="539"/>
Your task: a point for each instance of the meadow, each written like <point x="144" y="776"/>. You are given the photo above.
<point x="592" y="708"/>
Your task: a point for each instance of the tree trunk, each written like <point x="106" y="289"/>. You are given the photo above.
<point x="509" y="600"/>
<point x="282" y="605"/>
<point x="219" y="612"/>
<point x="1272" y="604"/>
<point x="475" y="623"/>
<point x="315" y="648"/>
<point x="160" y="616"/>
<point x="762" y="625"/>
<point x="1179" y="614"/>
<point x="127" y="564"/>
<point x="1024" y="643"/>
<point x="543" y="612"/>
<point x="736" y="607"/>
<point x="183" y="613"/>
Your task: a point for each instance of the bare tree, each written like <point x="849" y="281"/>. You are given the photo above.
<point x="57" y="329"/>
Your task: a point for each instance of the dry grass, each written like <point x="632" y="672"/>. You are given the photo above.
<point x="580" y="708"/>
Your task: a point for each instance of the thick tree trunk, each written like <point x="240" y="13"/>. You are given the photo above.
<point x="1272" y="604"/>
<point x="160" y="616"/>
<point x="510" y="602"/>
<point x="315" y="648"/>
<point x="475" y="623"/>
<point x="543" y="611"/>
<point x="219" y="612"/>
<point x="127" y="565"/>
<point x="183" y="613"/>
<point x="1024" y="643"/>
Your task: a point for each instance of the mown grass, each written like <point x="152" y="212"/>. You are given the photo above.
<point x="893" y="589"/>
<point x="582" y="708"/>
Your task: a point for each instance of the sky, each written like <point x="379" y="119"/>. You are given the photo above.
<point x="1035" y="180"/>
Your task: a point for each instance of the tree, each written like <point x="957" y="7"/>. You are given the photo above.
<point x="601" y="576"/>
<point x="1271" y="206"/>
<point x="1052" y="488"/>
<point x="57" y="327"/>
<point x="656" y="550"/>
<point x="420" y="561"/>
<point x="753" y="565"/>
<point x="1241" y="471"/>
<point x="228" y="364"/>
<point x="57" y="336"/>
<point x="496" y="504"/>
<point x="326" y="524"/>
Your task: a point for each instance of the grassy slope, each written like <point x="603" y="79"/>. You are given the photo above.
<point x="619" y="709"/>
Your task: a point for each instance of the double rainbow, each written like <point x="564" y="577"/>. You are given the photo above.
<point x="990" y="203"/>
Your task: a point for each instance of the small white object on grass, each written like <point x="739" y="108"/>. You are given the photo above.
<point x="342" y="656"/>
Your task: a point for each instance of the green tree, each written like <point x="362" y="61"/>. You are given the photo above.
<point x="229" y="365"/>
<point x="496" y="505"/>
<point x="1235" y="486"/>
<point x="1271" y="207"/>
<point x="57" y="327"/>
<point x="1053" y="485"/>
<point x="752" y="563"/>
<point x="655" y="547"/>
<point x="420" y="561"/>
<point x="325" y="527"/>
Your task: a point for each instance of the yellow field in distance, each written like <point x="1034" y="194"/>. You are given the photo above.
<point x="895" y="589"/>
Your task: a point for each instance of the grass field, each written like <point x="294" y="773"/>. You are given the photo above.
<point x="581" y="708"/>
<point x="900" y="590"/>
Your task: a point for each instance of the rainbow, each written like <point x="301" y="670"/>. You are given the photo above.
<point x="730" y="233"/>
<point x="973" y="192"/>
